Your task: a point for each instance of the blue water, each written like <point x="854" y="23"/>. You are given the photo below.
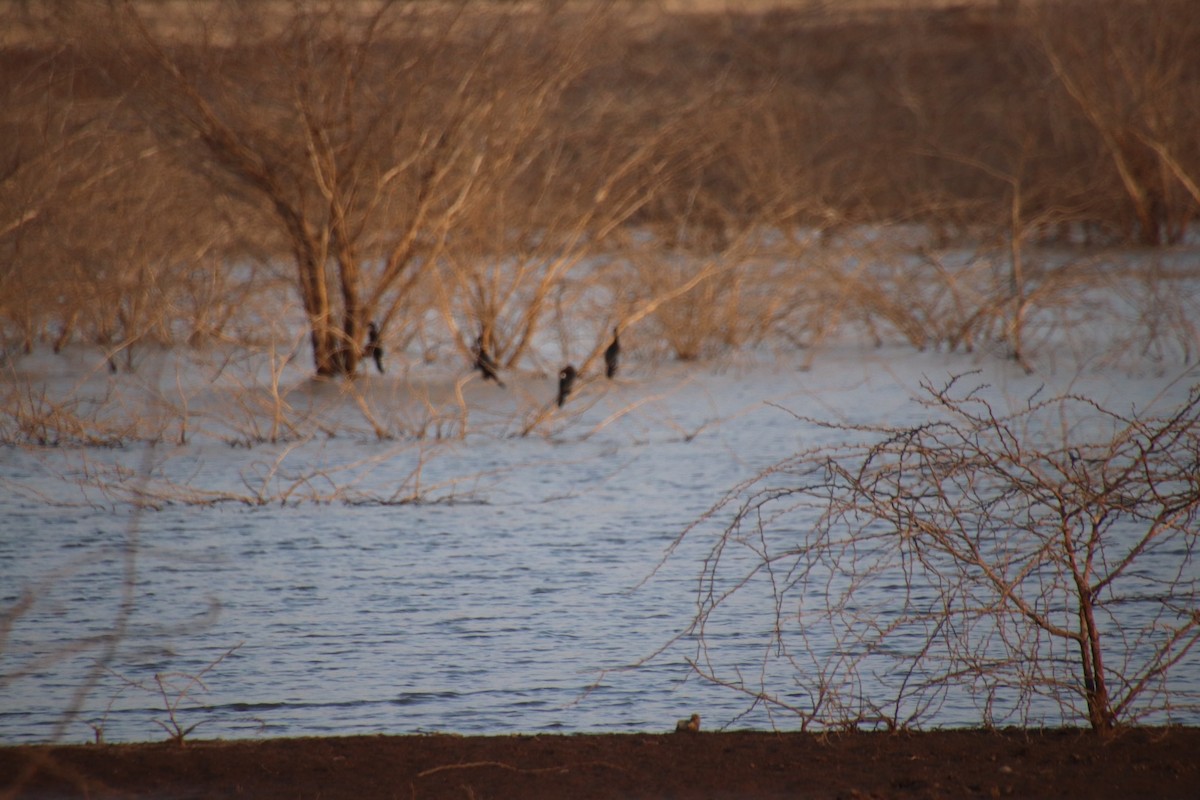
<point x="525" y="591"/>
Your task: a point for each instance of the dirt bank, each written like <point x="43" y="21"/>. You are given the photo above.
<point x="1148" y="762"/>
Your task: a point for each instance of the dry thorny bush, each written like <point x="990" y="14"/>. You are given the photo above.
<point x="1038" y="566"/>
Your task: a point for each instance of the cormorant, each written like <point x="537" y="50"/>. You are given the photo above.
<point x="566" y="382"/>
<point x="374" y="349"/>
<point x="612" y="355"/>
<point x="485" y="364"/>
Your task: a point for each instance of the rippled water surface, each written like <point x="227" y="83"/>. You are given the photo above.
<point x="516" y="598"/>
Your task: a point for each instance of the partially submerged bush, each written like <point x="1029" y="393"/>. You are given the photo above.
<point x="1040" y="565"/>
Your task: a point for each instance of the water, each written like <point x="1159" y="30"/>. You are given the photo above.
<point x="526" y="592"/>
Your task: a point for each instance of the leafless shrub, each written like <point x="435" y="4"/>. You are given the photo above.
<point x="96" y="220"/>
<point x="1164" y="310"/>
<point x="161" y="178"/>
<point x="362" y="138"/>
<point x="870" y="284"/>
<point x="1127" y="70"/>
<point x="30" y="414"/>
<point x="265" y="414"/>
<point x="175" y="689"/>
<point x="288" y="474"/>
<point x="702" y="321"/>
<point x="1037" y="565"/>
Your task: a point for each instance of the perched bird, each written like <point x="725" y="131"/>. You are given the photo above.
<point x="612" y="355"/>
<point x="689" y="725"/>
<point x="566" y="382"/>
<point x="374" y="349"/>
<point x="485" y="364"/>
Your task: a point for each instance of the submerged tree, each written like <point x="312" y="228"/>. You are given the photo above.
<point x="1037" y="563"/>
<point x="357" y="135"/>
<point x="1129" y="70"/>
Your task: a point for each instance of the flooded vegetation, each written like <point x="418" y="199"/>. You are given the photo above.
<point x="312" y="421"/>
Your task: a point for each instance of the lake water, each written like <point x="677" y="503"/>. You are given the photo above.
<point x="517" y="595"/>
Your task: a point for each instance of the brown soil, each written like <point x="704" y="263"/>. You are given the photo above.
<point x="1142" y="762"/>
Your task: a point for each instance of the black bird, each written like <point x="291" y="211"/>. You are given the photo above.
<point x="566" y="382"/>
<point x="485" y="364"/>
<point x="612" y="356"/>
<point x="374" y="349"/>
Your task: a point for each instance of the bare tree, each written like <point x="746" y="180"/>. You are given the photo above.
<point x="360" y="135"/>
<point x="107" y="240"/>
<point x="1043" y="556"/>
<point x="1127" y="69"/>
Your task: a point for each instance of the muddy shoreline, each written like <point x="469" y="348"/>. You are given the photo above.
<point x="1139" y="762"/>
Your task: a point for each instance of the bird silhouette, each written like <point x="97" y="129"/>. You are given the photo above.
<point x="485" y="364"/>
<point x="374" y="349"/>
<point x="566" y="382"/>
<point x="612" y="356"/>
